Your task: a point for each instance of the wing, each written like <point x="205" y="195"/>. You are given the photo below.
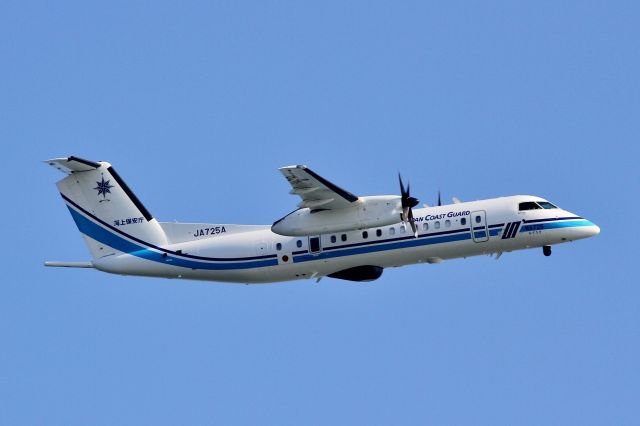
<point x="316" y="192"/>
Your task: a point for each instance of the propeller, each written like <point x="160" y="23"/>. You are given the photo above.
<point x="408" y="203"/>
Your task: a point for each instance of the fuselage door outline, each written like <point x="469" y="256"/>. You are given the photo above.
<point x="479" y="231"/>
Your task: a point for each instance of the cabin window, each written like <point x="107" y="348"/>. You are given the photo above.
<point x="365" y="234"/>
<point x="279" y="246"/>
<point x="463" y="221"/>
<point x="392" y="231"/>
<point x="529" y="205"/>
<point x="478" y="219"/>
<point x="546" y="205"/>
<point x="437" y="224"/>
<point x="447" y="223"/>
<point x="343" y="237"/>
<point x="333" y="239"/>
<point x="402" y="229"/>
<point x="299" y="243"/>
<point x="378" y="232"/>
<point x="425" y="226"/>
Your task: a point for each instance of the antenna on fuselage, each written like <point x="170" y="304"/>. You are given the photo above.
<point x="439" y="198"/>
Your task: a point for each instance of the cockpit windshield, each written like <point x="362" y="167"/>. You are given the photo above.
<point x="529" y="205"/>
<point x="535" y="205"/>
<point x="546" y="205"/>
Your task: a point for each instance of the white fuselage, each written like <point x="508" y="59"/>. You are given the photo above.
<point x="254" y="254"/>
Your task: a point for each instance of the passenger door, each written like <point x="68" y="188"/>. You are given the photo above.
<point x="479" y="231"/>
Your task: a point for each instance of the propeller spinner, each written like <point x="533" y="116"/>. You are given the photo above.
<point x="408" y="203"/>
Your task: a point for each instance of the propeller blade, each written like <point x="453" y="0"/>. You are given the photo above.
<point x="402" y="191"/>
<point x="408" y="203"/>
<point x="412" y="222"/>
<point x="405" y="193"/>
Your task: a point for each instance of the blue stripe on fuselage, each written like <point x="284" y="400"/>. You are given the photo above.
<point x="555" y="225"/>
<point x="414" y="242"/>
<point x="107" y="237"/>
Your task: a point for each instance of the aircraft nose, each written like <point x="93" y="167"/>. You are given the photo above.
<point x="592" y="230"/>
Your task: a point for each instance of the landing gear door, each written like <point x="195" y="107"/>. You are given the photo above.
<point x="314" y="245"/>
<point x="479" y="230"/>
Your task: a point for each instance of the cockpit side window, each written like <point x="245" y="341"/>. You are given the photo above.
<point x="529" y="205"/>
<point x="546" y="205"/>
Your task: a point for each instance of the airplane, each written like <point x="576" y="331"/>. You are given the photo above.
<point x="332" y="232"/>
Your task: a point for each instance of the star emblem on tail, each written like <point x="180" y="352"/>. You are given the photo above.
<point x="103" y="187"/>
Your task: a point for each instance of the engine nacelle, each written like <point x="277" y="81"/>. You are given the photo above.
<point x="366" y="212"/>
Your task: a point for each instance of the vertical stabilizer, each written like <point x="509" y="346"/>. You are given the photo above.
<point x="104" y="207"/>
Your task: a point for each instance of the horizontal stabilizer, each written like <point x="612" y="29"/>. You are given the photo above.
<point x="73" y="164"/>
<point x="57" y="264"/>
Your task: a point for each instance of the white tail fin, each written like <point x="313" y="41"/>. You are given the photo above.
<point x="104" y="208"/>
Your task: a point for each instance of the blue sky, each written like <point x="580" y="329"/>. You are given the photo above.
<point x="198" y="103"/>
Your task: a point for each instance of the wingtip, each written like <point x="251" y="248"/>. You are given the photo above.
<point x="51" y="160"/>
<point x="296" y="166"/>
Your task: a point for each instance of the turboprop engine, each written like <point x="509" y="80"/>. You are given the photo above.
<point x="366" y="212"/>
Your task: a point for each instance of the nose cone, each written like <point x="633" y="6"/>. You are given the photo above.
<point x="590" y="230"/>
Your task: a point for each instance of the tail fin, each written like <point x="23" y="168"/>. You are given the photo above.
<point x="104" y="208"/>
